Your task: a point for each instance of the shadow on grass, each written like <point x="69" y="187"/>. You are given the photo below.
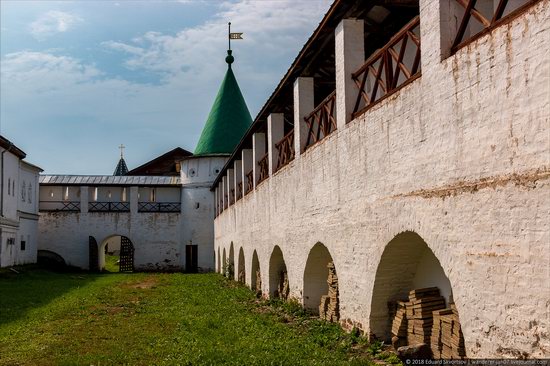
<point x="34" y="287"/>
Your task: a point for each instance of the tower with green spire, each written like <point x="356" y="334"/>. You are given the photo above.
<point x="228" y="120"/>
<point x="227" y="123"/>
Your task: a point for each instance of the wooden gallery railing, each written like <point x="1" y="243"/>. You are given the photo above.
<point x="322" y="121"/>
<point x="263" y="163"/>
<point x="285" y="150"/>
<point x="249" y="181"/>
<point x="389" y="68"/>
<point x="497" y="17"/>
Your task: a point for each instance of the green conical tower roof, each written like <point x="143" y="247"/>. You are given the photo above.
<point x="228" y="120"/>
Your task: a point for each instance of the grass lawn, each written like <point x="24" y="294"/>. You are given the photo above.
<point x="51" y="318"/>
<point x="111" y="263"/>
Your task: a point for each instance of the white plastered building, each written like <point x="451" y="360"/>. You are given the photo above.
<point x="18" y="206"/>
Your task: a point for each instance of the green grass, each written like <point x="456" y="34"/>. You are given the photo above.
<point x="111" y="263"/>
<point x="51" y="318"/>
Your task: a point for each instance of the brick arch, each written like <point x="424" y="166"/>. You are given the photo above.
<point x="255" y="274"/>
<point x="277" y="274"/>
<point x="315" y="277"/>
<point x="406" y="263"/>
<point x="241" y="269"/>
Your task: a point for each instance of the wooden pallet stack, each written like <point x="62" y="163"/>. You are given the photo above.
<point x="447" y="340"/>
<point x="329" y="309"/>
<point x="419" y="311"/>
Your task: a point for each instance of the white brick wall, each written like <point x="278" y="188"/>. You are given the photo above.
<point x="459" y="157"/>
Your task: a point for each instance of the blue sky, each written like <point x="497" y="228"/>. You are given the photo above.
<point x="78" y="78"/>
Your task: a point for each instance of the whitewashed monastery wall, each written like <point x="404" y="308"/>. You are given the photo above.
<point x="157" y="237"/>
<point x="461" y="158"/>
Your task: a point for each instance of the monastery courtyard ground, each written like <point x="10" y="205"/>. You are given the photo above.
<point x="49" y="318"/>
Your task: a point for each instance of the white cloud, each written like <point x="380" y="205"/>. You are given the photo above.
<point x="87" y="107"/>
<point x="42" y="71"/>
<point x="269" y="28"/>
<point x="51" y="23"/>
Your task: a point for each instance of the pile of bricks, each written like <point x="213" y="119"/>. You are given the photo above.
<point x="329" y="309"/>
<point x="283" y="288"/>
<point x="242" y="277"/>
<point x="419" y="310"/>
<point x="258" y="288"/>
<point x="399" y="324"/>
<point x="447" y="340"/>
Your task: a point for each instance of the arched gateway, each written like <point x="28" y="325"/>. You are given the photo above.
<point x="118" y="244"/>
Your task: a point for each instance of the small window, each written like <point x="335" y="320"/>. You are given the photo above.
<point x="23" y="192"/>
<point x="29" y="194"/>
<point x="95" y="194"/>
<point x="51" y="193"/>
<point x="9" y="186"/>
<point x="124" y="194"/>
<point x="66" y="196"/>
<point x="153" y="195"/>
<point x="10" y="241"/>
<point x="23" y="244"/>
<point x="13" y="188"/>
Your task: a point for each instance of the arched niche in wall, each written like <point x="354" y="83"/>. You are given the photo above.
<point x="320" y="294"/>
<point x="278" y="276"/>
<point x="255" y="275"/>
<point x="406" y="264"/>
<point x="241" y="271"/>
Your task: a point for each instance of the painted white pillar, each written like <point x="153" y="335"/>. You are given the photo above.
<point x="134" y="198"/>
<point x="349" y="57"/>
<point x="275" y="133"/>
<point x="238" y="166"/>
<point x="225" y="195"/>
<point x="258" y="151"/>
<point x="216" y="200"/>
<point x="219" y="202"/>
<point x="230" y="185"/>
<point x="303" y="105"/>
<point x="247" y="165"/>
<point x="84" y="199"/>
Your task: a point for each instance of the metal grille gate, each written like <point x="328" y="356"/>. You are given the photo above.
<point x="126" y="255"/>
<point x="93" y="258"/>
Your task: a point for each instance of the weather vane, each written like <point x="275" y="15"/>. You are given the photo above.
<point x="233" y="35"/>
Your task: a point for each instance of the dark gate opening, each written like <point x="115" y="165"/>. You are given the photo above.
<point x="126" y="255"/>
<point x="93" y="255"/>
<point x="191" y="258"/>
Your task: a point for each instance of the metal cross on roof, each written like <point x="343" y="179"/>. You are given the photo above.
<point x="121" y="147"/>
